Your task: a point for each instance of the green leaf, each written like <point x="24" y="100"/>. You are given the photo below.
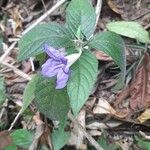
<point x="59" y="136"/>
<point x="53" y="103"/>
<point x="11" y="147"/>
<point x="22" y="138"/>
<point x="129" y="29"/>
<point x="32" y="42"/>
<point x="41" y="58"/>
<point x="145" y="145"/>
<point x="28" y="94"/>
<point x="2" y="91"/>
<point x="113" y="45"/>
<point x="103" y="141"/>
<point x="81" y="14"/>
<point x="82" y="80"/>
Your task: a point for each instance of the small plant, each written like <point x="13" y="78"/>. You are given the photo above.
<point x="67" y="77"/>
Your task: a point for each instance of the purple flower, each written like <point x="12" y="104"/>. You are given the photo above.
<point x="58" y="65"/>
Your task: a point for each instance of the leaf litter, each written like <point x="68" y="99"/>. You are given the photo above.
<point x="100" y="114"/>
<point x="140" y="85"/>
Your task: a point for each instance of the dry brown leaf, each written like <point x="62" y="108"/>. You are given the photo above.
<point x="144" y="116"/>
<point x="103" y="107"/>
<point x="77" y="136"/>
<point x="121" y="96"/>
<point x="16" y="19"/>
<point x="5" y="139"/>
<point x="41" y="135"/>
<point x="102" y="56"/>
<point x="122" y="114"/>
<point x="116" y="6"/>
<point x="130" y="10"/>
<point x="26" y="66"/>
<point x="140" y="86"/>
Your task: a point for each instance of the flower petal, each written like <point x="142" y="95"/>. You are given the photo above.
<point x="62" y="79"/>
<point x="73" y="58"/>
<point x="53" y="53"/>
<point x="51" y="67"/>
<point x="66" y="69"/>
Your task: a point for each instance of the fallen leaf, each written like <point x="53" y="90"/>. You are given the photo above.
<point x="5" y="139"/>
<point x="41" y="135"/>
<point x="140" y="86"/>
<point x="144" y="116"/>
<point x="95" y="132"/>
<point x="116" y="6"/>
<point x="122" y="96"/>
<point x="102" y="56"/>
<point x="122" y="114"/>
<point x="90" y="103"/>
<point x="103" y="107"/>
<point x="105" y="125"/>
<point x="16" y="19"/>
<point x="26" y="66"/>
<point x="138" y="92"/>
<point x="77" y="135"/>
<point x="129" y="10"/>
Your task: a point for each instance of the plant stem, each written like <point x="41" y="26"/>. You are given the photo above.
<point x="98" y="10"/>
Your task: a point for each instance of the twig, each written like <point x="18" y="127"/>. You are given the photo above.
<point x="17" y="71"/>
<point x="32" y="64"/>
<point x="7" y="51"/>
<point x="32" y="26"/>
<point x="147" y="26"/>
<point x="88" y="136"/>
<point x="15" y="120"/>
<point x="43" y="3"/>
<point x="3" y="108"/>
<point x="147" y="137"/>
<point x="141" y="15"/>
<point x="98" y="10"/>
<point x="44" y="16"/>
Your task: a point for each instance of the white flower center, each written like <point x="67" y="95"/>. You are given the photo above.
<point x="73" y="58"/>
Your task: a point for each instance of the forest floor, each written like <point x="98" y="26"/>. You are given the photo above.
<point x="122" y="115"/>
